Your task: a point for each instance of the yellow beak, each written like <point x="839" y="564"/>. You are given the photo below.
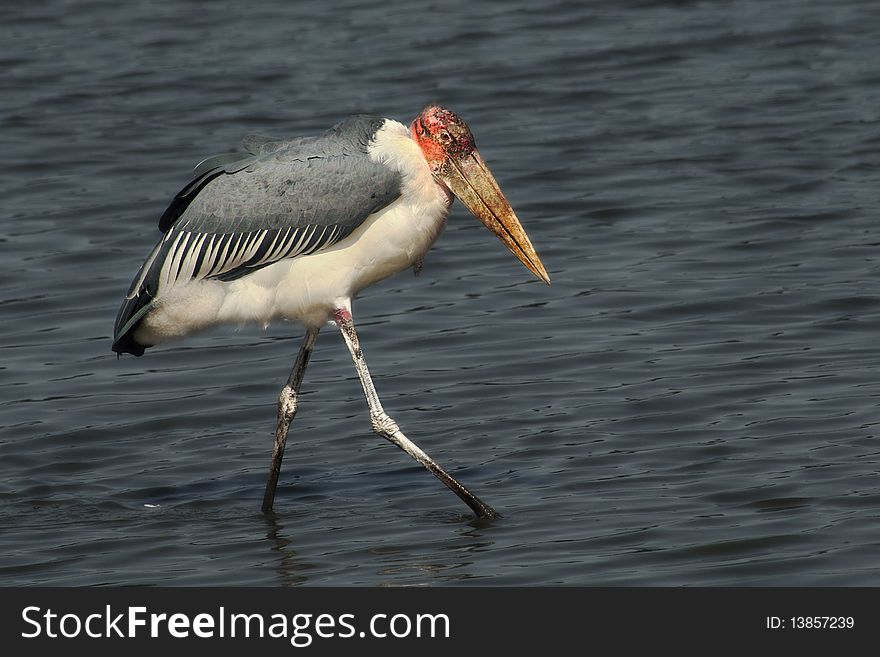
<point x="471" y="181"/>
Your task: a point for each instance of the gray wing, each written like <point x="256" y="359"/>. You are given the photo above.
<point x="247" y="211"/>
<point x="290" y="198"/>
<point x="253" y="145"/>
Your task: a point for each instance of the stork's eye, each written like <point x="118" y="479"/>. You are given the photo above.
<point x="444" y="137"/>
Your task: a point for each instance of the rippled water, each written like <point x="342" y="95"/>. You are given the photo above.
<point x="694" y="400"/>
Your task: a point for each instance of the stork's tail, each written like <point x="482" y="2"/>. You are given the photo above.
<point x="137" y="303"/>
<point x="130" y="315"/>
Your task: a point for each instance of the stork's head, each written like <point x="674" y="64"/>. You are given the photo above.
<point x="449" y="148"/>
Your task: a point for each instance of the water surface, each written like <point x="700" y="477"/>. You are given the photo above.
<point x="694" y="401"/>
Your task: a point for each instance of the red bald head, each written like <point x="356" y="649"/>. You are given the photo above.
<point x="441" y="134"/>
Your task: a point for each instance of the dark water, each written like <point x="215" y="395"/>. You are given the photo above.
<point x="693" y="402"/>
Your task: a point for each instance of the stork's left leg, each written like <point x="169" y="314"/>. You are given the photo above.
<point x="388" y="429"/>
<point x="287" y="403"/>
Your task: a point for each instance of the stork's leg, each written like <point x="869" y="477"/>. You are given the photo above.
<point x="286" y="412"/>
<point x="387" y="428"/>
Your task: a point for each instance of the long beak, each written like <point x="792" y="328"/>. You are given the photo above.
<point x="471" y="181"/>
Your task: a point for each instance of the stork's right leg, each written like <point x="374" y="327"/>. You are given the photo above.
<point x="287" y="402"/>
<point x="388" y="429"/>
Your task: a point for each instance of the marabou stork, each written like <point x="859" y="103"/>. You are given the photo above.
<point x="294" y="229"/>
